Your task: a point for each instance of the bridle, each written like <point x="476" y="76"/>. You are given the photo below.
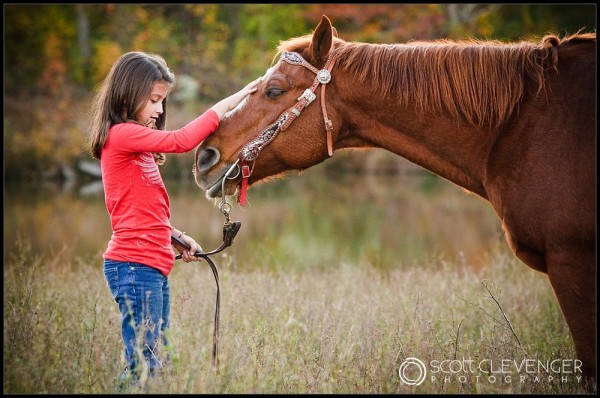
<point x="249" y="153"/>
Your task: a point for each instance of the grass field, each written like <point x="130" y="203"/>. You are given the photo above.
<point x="344" y="328"/>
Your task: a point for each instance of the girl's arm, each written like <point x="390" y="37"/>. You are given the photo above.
<point x="131" y="137"/>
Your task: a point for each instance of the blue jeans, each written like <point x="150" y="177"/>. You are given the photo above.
<point x="142" y="294"/>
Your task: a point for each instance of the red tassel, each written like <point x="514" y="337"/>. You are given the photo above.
<point x="242" y="195"/>
<point x="244" y="186"/>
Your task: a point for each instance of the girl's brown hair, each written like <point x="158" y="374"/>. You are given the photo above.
<point x="123" y="94"/>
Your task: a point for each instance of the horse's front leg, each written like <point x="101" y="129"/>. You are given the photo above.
<point x="573" y="277"/>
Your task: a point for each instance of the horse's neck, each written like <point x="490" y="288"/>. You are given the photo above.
<point x="457" y="152"/>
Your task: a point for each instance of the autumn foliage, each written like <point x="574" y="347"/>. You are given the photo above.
<point x="56" y="55"/>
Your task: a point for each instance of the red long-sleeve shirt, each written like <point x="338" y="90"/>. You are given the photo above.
<point x="135" y="195"/>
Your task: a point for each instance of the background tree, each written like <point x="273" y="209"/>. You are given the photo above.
<point x="57" y="54"/>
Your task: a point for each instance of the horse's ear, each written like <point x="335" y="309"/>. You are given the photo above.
<point x="334" y="31"/>
<point x="321" y="41"/>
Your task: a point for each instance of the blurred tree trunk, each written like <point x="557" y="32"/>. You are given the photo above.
<point x="83" y="34"/>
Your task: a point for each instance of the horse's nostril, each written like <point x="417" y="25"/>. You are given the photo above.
<point x="207" y="158"/>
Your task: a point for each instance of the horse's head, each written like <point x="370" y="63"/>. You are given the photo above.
<point x="276" y="129"/>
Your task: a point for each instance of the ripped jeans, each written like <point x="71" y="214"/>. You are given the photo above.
<point x="142" y="294"/>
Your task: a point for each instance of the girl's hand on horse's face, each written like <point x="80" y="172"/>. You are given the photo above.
<point x="252" y="86"/>
<point x="249" y="89"/>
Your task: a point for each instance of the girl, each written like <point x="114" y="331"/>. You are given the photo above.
<point x="129" y="115"/>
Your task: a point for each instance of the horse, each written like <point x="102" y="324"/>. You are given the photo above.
<point x="513" y="123"/>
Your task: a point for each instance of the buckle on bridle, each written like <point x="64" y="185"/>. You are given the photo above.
<point x="246" y="171"/>
<point x="309" y="95"/>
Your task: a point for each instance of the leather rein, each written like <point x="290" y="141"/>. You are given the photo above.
<point x="247" y="157"/>
<point x="249" y="153"/>
<point x="230" y="230"/>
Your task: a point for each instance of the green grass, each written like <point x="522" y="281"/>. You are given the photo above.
<point x="345" y="328"/>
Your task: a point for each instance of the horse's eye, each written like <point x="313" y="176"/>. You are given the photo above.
<point x="274" y="92"/>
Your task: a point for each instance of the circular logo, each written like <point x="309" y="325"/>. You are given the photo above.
<point x="412" y="372"/>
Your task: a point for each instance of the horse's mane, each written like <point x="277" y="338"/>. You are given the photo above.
<point x="480" y="81"/>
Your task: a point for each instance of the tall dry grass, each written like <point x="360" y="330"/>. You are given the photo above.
<point x="345" y="328"/>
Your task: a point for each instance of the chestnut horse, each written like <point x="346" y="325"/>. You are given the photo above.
<point x="514" y="123"/>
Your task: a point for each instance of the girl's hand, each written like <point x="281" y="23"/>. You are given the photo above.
<point x="188" y="255"/>
<point x="229" y="103"/>
<point x="236" y="98"/>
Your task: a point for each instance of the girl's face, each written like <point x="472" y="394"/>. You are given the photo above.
<point x="154" y="104"/>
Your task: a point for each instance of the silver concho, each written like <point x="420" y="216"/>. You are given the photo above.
<point x="324" y="76"/>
